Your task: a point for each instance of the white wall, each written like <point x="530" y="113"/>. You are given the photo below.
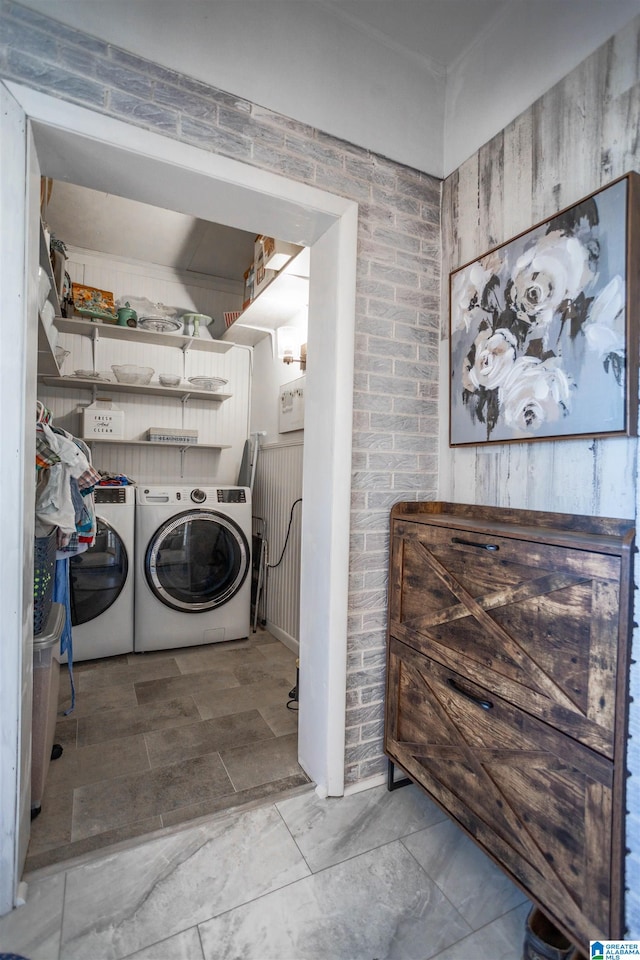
<point x="304" y="60"/>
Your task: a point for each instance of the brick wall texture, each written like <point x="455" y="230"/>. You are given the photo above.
<point x="395" y="420"/>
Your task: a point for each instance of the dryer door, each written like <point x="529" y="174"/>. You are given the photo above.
<point x="197" y="561"/>
<point x="97" y="576"/>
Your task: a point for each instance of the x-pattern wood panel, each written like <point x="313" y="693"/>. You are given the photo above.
<point x="502" y="785"/>
<point x="534" y="629"/>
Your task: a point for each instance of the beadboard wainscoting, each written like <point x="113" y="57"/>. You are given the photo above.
<point x="278" y="485"/>
<point x="579" y="136"/>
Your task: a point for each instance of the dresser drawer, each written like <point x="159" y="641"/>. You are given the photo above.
<point x="538" y="622"/>
<point x="513" y="782"/>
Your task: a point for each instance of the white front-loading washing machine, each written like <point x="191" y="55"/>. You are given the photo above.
<point x="101" y="590"/>
<point x="193" y="564"/>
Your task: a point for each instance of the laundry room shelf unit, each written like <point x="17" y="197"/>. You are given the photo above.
<point x="47" y="363"/>
<point x="507" y="690"/>
<point x="182" y="447"/>
<point x="153" y="389"/>
<point x="113" y="331"/>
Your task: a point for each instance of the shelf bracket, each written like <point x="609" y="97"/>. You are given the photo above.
<point x="95" y="339"/>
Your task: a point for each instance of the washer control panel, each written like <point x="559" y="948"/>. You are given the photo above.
<point x="198" y="496"/>
<point x="235" y="495"/>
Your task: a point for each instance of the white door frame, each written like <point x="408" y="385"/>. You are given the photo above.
<point x="84" y="147"/>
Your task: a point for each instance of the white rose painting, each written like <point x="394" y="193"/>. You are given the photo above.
<point x="539" y="330"/>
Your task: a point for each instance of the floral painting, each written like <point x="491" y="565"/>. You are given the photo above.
<point x="539" y="329"/>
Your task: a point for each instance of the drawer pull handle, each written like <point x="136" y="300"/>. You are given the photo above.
<point x="485" y="704"/>
<point x="471" y="543"/>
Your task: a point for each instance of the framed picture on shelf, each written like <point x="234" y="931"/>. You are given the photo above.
<point x="544" y="328"/>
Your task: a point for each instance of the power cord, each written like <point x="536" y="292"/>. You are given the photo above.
<point x="272" y="566"/>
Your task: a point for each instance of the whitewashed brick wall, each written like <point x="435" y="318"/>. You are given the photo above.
<point x="398" y="283"/>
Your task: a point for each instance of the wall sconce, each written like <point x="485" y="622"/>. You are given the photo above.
<point x="290" y="346"/>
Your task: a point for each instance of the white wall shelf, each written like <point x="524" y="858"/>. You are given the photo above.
<point x="153" y="389"/>
<point x="279" y="302"/>
<point x="114" y="331"/>
<point x="46" y="348"/>
<point x="181" y="447"/>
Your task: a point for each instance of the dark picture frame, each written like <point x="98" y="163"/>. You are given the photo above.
<point x="544" y="327"/>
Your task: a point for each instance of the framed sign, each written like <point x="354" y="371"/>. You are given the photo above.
<point x="544" y="329"/>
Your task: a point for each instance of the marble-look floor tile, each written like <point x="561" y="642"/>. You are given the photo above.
<point x="500" y="940"/>
<point x="126" y="901"/>
<point x="33" y="930"/>
<point x="331" y="830"/>
<point x="115" y="724"/>
<point x="45" y="857"/>
<point x="275" y="788"/>
<point x="185" y="685"/>
<point x="82" y="765"/>
<point x="108" y="804"/>
<point x="184" y="946"/>
<point x="378" y="904"/>
<point x="250" y="696"/>
<point x="479" y="890"/>
<point x="261" y="762"/>
<point x="280" y="718"/>
<point x="207" y="736"/>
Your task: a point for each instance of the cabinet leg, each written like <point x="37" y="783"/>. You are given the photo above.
<point x="395" y="784"/>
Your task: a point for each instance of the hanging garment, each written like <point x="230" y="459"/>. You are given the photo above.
<point x="62" y="594"/>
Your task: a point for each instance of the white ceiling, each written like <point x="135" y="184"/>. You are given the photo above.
<point x="94" y="220"/>
<point x="437" y="30"/>
<point x="400" y="77"/>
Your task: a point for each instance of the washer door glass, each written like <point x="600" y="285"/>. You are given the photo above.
<point x="97" y="576"/>
<point x="197" y="561"/>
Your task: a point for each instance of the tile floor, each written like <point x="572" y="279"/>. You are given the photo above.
<point x="369" y="876"/>
<point x="158" y="739"/>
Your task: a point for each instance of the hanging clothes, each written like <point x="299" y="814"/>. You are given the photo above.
<point x="64" y="499"/>
<point x="69" y="471"/>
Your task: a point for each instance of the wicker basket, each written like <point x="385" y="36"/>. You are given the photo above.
<point x="44" y="564"/>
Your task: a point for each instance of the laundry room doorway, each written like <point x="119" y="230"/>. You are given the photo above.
<point x="76" y="145"/>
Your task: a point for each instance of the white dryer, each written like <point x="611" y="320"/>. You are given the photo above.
<point x="101" y="580"/>
<point x="193" y="564"/>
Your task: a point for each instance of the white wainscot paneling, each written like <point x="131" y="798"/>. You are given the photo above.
<point x="186" y="291"/>
<point x="223" y="423"/>
<point x="278" y="485"/>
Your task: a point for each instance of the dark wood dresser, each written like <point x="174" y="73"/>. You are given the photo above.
<point x="507" y="674"/>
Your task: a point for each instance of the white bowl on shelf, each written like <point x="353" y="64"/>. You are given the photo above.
<point x="169" y="379"/>
<point x="131" y="374"/>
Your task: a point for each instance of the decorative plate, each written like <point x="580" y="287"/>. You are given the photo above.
<point x="160" y="324"/>
<point x="208" y="383"/>
<point x="88" y="375"/>
<point x="94" y="303"/>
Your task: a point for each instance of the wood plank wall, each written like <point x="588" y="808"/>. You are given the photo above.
<point x="576" y="138"/>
